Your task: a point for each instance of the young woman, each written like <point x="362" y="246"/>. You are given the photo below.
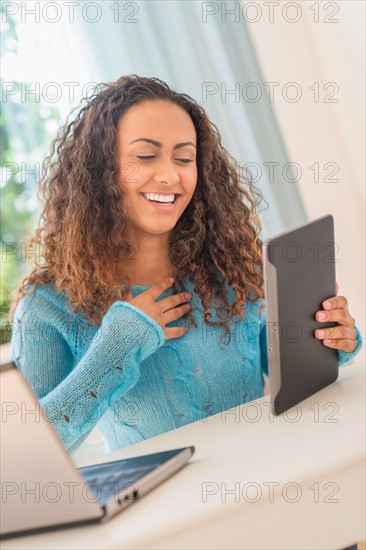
<point x="138" y="190"/>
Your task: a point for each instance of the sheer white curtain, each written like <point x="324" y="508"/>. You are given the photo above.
<point x="211" y="60"/>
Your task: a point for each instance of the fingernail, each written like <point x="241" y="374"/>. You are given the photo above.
<point x="327" y="341"/>
<point x="187" y="295"/>
<point x="327" y="304"/>
<point x="322" y="315"/>
<point x="321" y="333"/>
<point x="171" y="280"/>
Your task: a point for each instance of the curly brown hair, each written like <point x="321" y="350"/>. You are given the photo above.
<point x="83" y="225"/>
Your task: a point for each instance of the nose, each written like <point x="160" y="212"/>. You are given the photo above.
<point x="166" y="172"/>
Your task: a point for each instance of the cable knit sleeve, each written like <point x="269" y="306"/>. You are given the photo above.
<point x="74" y="397"/>
<point x="345" y="357"/>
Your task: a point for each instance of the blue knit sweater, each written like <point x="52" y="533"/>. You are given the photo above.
<point x="126" y="375"/>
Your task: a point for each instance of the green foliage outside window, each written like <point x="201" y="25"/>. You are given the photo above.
<point x="25" y="136"/>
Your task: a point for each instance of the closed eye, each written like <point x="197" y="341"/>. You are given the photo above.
<point x="185" y="161"/>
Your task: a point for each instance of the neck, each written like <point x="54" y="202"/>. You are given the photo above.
<point x="150" y="264"/>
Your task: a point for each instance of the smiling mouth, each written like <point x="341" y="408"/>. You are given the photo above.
<point x="176" y="195"/>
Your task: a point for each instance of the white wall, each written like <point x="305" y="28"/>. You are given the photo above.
<point x="306" y="52"/>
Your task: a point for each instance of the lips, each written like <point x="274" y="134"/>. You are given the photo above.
<point x="160" y="206"/>
<point x="157" y="193"/>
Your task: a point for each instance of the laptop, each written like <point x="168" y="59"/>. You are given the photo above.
<point x="299" y="274"/>
<point x="42" y="490"/>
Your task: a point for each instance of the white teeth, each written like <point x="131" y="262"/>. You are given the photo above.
<point x="160" y="198"/>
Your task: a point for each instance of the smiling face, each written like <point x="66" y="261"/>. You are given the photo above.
<point x="156" y="154"/>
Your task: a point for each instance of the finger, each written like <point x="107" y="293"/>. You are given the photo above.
<point x="173" y="301"/>
<point x="340" y="315"/>
<point x="175" y="332"/>
<point x="176" y="313"/>
<point x="335" y="302"/>
<point x="335" y="333"/>
<point x="344" y="344"/>
<point x="159" y="288"/>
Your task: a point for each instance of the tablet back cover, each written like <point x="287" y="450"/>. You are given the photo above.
<point x="299" y="270"/>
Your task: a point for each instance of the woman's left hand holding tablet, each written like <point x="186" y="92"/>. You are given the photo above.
<point x="343" y="336"/>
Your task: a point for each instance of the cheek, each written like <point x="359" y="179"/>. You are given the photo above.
<point x="190" y="180"/>
<point x="132" y="176"/>
<point x="193" y="182"/>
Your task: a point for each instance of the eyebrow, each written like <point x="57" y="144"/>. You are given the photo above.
<point x="158" y="144"/>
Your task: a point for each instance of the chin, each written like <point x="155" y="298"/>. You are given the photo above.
<point x="157" y="230"/>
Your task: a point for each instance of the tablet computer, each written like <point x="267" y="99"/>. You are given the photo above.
<point x="299" y="274"/>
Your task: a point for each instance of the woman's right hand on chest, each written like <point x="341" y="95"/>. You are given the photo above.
<point x="165" y="311"/>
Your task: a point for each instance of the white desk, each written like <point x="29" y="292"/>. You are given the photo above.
<point x="313" y="461"/>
